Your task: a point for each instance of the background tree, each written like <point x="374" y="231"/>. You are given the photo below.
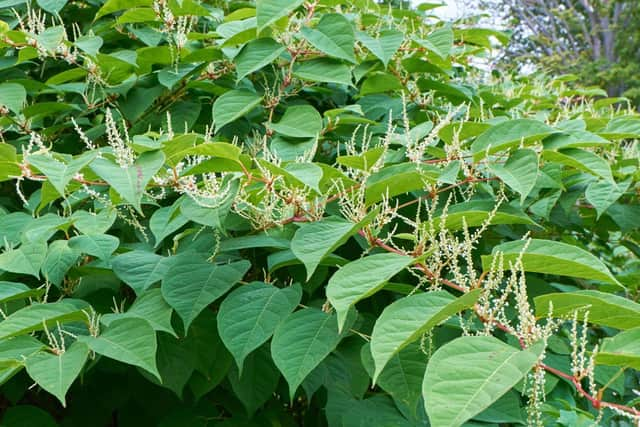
<point x="596" y="39"/>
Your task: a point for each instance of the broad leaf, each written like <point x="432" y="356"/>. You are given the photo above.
<point x="477" y="370"/>
<point x="384" y="46"/>
<point x="60" y="258"/>
<point x="324" y="70"/>
<point x="131" y="341"/>
<point x="257" y="54"/>
<point x="232" y="105"/>
<point x="140" y="269"/>
<point x="334" y="36"/>
<point x="301" y="342"/>
<point x="59" y="173"/>
<point x="257" y="383"/>
<point x="407" y="319"/>
<point x="35" y="316"/>
<point x="165" y="221"/>
<point x="603" y="309"/>
<point x="621" y="350"/>
<point x="508" y="134"/>
<point x="520" y="172"/>
<point x="475" y="213"/>
<point x="402" y="375"/>
<point x="269" y="11"/>
<point x="98" y="245"/>
<point x="250" y="314"/>
<point x="299" y="121"/>
<point x="10" y="291"/>
<point x="27" y="259"/>
<point x="362" y="278"/>
<point x="316" y="240"/>
<point x="130" y="182"/>
<point x="603" y="193"/>
<point x="56" y="372"/>
<point x="13" y="96"/>
<point x="191" y="284"/>
<point x="550" y="257"/>
<point x="149" y="306"/>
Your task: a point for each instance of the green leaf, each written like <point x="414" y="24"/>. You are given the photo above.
<point x="232" y="105"/>
<point x="384" y="46"/>
<point x="131" y="341"/>
<point x="323" y="70"/>
<point x="191" y="284"/>
<point x="573" y="139"/>
<point x="14" y="351"/>
<point x="269" y="11"/>
<point x="334" y="36"/>
<point x="51" y="38"/>
<point x="621" y="128"/>
<point x="520" y="172"/>
<point x="130" y="182"/>
<point x="98" y="245"/>
<point x="603" y="193"/>
<point x="13" y="96"/>
<point x="137" y="15"/>
<point x="257" y="383"/>
<point x="33" y="317"/>
<point x="56" y="372"/>
<point x="397" y="179"/>
<point x="250" y="314"/>
<point x="10" y="291"/>
<point x="175" y="363"/>
<point x="149" y="306"/>
<point x="301" y="342"/>
<point x="52" y="6"/>
<point x="581" y="160"/>
<point x="90" y="44"/>
<point x="475" y="213"/>
<point x="402" y="375"/>
<point x="477" y="370"/>
<point x="316" y="240"/>
<point x="299" y="121"/>
<point x="439" y="42"/>
<point x="407" y="319"/>
<point x="604" y="309"/>
<point x="94" y="223"/>
<point x="508" y="134"/>
<point x="550" y="257"/>
<point x="165" y="221"/>
<point x="27" y="259"/>
<point x="504" y="410"/>
<point x="380" y="82"/>
<point x="362" y="278"/>
<point x="256" y="54"/>
<point x="111" y="6"/>
<point x="621" y="350"/>
<point x="211" y="212"/>
<point x="60" y="258"/>
<point x="140" y="269"/>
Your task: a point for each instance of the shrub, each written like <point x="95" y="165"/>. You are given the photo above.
<point x="318" y="213"/>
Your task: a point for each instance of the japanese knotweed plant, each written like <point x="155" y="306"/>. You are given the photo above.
<point x="306" y="213"/>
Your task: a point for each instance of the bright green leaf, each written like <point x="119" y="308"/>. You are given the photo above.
<point x="551" y="257"/>
<point x="407" y="319"/>
<point x="362" y="278"/>
<point x="477" y="371"/>
<point x="130" y="340"/>
<point x="250" y="314"/>
<point x="56" y="372"/>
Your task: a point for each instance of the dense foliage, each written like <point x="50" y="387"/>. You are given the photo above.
<point x="305" y="213"/>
